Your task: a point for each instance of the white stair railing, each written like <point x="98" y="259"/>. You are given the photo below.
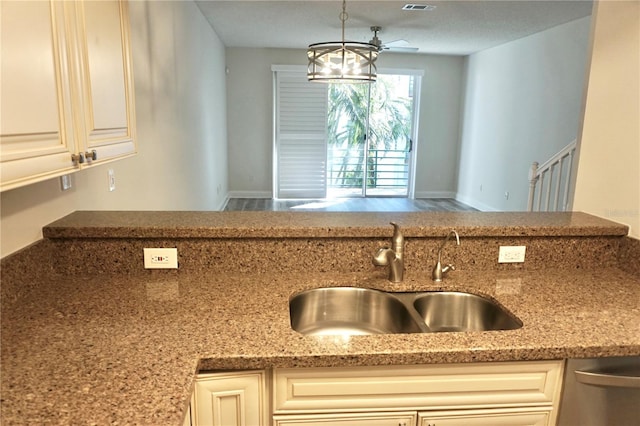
<point x="554" y="179"/>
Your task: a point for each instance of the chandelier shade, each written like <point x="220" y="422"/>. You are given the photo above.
<point x="337" y="61"/>
<point x="346" y="60"/>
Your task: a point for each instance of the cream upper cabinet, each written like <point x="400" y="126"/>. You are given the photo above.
<point x="37" y="135"/>
<point x="103" y="66"/>
<point x="66" y="88"/>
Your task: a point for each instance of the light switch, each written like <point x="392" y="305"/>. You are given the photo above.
<point x="112" y="180"/>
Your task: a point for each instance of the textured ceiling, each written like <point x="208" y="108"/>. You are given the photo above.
<point x="455" y="27"/>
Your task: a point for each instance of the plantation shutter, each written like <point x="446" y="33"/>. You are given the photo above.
<point x="300" y="136"/>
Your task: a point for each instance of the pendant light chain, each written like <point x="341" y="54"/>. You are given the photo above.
<point x="344" y="16"/>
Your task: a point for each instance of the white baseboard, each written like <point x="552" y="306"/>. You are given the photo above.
<point x="249" y="194"/>
<point x="434" y="194"/>
<point x="223" y="204"/>
<point x="474" y="203"/>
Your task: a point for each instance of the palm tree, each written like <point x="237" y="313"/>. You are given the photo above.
<point x="350" y="111"/>
<point x="347" y="129"/>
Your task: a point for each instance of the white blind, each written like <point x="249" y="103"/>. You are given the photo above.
<point x="300" y="136"/>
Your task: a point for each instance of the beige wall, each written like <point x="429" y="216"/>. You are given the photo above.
<point x="523" y="103"/>
<point x="608" y="182"/>
<point x="250" y="97"/>
<point x="180" y="88"/>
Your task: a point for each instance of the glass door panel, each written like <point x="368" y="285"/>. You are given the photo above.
<point x="390" y="130"/>
<point x="369" y="137"/>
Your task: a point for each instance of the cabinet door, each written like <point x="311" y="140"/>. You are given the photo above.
<point x="36" y="136"/>
<point x="188" y="416"/>
<point x="230" y="399"/>
<point x="495" y="417"/>
<point x="351" y="419"/>
<point x="104" y="69"/>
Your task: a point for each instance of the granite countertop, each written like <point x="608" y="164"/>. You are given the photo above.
<point x="123" y="349"/>
<point x="190" y="224"/>
<point x="91" y="338"/>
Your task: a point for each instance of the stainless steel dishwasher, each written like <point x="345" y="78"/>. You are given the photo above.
<point x="601" y="392"/>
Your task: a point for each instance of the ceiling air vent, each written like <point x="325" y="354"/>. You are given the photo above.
<point x="411" y="6"/>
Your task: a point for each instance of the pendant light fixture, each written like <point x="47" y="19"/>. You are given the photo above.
<point x="342" y="61"/>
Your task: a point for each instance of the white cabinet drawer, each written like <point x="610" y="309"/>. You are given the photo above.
<point x="432" y="387"/>
<point x="495" y="417"/>
<point x="352" y="419"/>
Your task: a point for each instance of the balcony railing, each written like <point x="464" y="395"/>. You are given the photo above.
<point x="386" y="169"/>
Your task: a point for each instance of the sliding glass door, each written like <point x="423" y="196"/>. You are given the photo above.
<point x="344" y="140"/>
<point x="370" y="134"/>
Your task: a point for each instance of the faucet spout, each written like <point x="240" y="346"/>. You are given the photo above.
<point x="397" y="241"/>
<point x="392" y="257"/>
<point x="438" y="270"/>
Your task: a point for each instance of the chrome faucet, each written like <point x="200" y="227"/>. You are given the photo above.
<point x="438" y="271"/>
<point x="393" y="257"/>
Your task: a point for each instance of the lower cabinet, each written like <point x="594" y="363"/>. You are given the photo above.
<point x="500" y="393"/>
<point x="475" y="394"/>
<point x="230" y="399"/>
<point x="490" y="417"/>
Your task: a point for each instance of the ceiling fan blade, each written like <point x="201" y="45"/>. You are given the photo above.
<point x="398" y="43"/>
<point x="399" y="46"/>
<point x="401" y="49"/>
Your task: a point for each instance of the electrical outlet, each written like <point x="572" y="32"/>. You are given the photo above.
<point x="511" y="254"/>
<point x="161" y="258"/>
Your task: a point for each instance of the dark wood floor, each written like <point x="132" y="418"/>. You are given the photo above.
<point x="348" y="205"/>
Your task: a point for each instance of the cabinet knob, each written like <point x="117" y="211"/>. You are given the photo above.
<point x="91" y="155"/>
<point x="77" y="158"/>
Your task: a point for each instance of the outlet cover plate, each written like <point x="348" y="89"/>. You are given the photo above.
<point x="511" y="254"/>
<point x="65" y="182"/>
<point x="111" y="175"/>
<point x="160" y="258"/>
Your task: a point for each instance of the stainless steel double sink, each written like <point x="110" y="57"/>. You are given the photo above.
<point x="352" y="310"/>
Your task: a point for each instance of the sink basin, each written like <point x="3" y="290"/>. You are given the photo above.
<point x="456" y="311"/>
<point x="350" y="310"/>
